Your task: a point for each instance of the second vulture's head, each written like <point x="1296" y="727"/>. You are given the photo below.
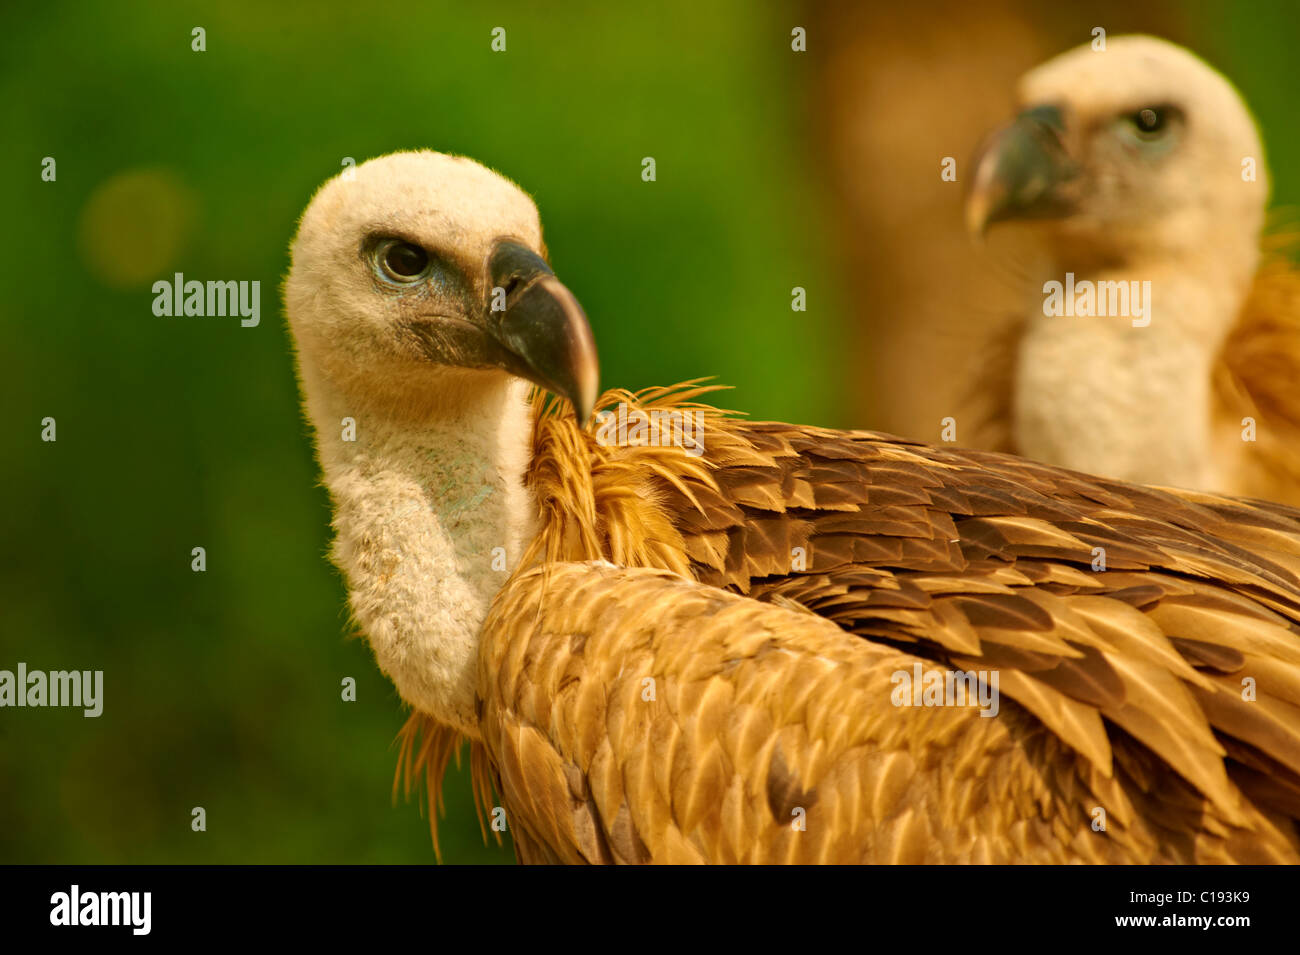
<point x="419" y="279"/>
<point x="1140" y="149"/>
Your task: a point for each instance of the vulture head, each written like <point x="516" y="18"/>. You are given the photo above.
<point x="420" y="280"/>
<point x="421" y="304"/>
<point x="1134" y="152"/>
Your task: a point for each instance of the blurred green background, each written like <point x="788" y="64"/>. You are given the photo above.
<point x="222" y="689"/>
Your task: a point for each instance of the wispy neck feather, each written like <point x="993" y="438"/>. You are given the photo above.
<point x="431" y="516"/>
<point x="1095" y="393"/>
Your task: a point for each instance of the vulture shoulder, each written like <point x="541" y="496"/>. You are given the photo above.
<point x="1146" y="643"/>
<point x="1255" y="378"/>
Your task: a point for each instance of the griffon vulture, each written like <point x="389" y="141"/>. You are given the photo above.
<point x="1144" y="177"/>
<point x="713" y="640"/>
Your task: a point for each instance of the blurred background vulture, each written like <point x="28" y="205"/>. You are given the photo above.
<point x="899" y="95"/>
<point x="1139" y="170"/>
<point x="702" y="648"/>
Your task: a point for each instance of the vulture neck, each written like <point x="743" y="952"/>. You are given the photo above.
<point x="431" y="516"/>
<point x="1098" y="394"/>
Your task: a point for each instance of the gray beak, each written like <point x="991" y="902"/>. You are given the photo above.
<point x="1021" y="172"/>
<point x="541" y="326"/>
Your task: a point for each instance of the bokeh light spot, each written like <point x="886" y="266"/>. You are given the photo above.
<point x="135" y="225"/>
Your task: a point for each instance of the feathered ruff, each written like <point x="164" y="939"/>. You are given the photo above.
<point x="608" y="502"/>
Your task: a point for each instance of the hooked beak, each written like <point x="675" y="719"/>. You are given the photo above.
<point x="541" y="326"/>
<point x="1021" y="172"/>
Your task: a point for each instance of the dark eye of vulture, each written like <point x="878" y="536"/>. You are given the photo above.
<point x="1152" y="122"/>
<point x="402" y="261"/>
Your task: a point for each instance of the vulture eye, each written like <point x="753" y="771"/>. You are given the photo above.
<point x="402" y="261"/>
<point x="1151" y="122"/>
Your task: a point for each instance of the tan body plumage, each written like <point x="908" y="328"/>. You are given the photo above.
<point x="695" y="655"/>
<point x="773" y="687"/>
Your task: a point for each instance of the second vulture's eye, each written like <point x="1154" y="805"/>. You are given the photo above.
<point x="1150" y="122"/>
<point x="1154" y="130"/>
<point x="402" y="261"/>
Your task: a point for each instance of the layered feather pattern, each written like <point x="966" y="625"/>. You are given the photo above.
<point x="698" y="659"/>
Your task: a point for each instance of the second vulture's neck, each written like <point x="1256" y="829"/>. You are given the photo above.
<point x="1098" y="393"/>
<point x="431" y="517"/>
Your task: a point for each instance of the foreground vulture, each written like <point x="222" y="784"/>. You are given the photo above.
<point x="748" y="642"/>
<point x="1139" y="164"/>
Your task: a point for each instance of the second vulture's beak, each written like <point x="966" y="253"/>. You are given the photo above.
<point x="541" y="326"/>
<point x="1021" y="172"/>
